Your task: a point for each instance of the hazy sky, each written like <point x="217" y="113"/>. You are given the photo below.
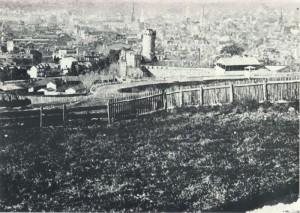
<point x="161" y="1"/>
<point x="154" y="4"/>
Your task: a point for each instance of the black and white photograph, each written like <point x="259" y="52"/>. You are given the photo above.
<point x="149" y="106"/>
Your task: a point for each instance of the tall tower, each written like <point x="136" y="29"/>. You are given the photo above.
<point x="297" y="17"/>
<point x="132" y="13"/>
<point x="148" y="45"/>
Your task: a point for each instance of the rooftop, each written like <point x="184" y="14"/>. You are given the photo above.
<point x="238" y="60"/>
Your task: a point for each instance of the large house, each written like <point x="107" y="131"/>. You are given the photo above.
<point x="66" y="64"/>
<point x="237" y="63"/>
<point x="43" y="70"/>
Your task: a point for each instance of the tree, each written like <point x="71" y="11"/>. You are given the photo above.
<point x="113" y="56"/>
<point x="232" y="49"/>
<point x="36" y="57"/>
<point x="74" y="71"/>
<point x="3" y="49"/>
<point x="56" y="59"/>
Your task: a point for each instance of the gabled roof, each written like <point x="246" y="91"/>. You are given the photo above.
<point x="276" y="68"/>
<point x="56" y="81"/>
<point x="77" y="88"/>
<point x="237" y="60"/>
<point x="76" y="85"/>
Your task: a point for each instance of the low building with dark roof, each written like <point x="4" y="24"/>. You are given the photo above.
<point x="62" y="87"/>
<point x="237" y="63"/>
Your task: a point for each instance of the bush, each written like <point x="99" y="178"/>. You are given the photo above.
<point x="251" y="104"/>
<point x="245" y="105"/>
<point x="280" y="107"/>
<point x="266" y="104"/>
<point x="295" y="104"/>
<point x="226" y="108"/>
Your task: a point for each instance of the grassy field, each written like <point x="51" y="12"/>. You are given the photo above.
<point x="196" y="159"/>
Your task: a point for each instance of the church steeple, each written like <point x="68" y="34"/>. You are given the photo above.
<point x="281" y="17"/>
<point x="132" y="13"/>
<point x="297" y="17"/>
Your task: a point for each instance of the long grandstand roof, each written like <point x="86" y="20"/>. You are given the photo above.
<point x="238" y="61"/>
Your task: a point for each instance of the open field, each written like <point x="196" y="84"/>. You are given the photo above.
<point x="196" y="159"/>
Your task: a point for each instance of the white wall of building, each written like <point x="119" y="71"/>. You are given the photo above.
<point x="33" y="72"/>
<point x="66" y="63"/>
<point x="148" y="45"/>
<point x="10" y="46"/>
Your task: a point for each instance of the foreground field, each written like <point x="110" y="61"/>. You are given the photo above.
<point x="195" y="160"/>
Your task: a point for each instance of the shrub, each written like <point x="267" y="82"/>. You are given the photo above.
<point x="295" y="104"/>
<point x="245" y="105"/>
<point x="238" y="109"/>
<point x="280" y="107"/>
<point x="251" y="104"/>
<point x="226" y="108"/>
<point x="266" y="104"/>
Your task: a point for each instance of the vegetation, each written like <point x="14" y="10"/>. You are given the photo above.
<point x="232" y="49"/>
<point x="200" y="159"/>
<point x="100" y="66"/>
<point x="13" y="73"/>
<point x="111" y="73"/>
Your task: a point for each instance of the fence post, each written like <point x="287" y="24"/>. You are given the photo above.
<point x="265" y="90"/>
<point x="108" y="112"/>
<point x="181" y="98"/>
<point x="165" y="101"/>
<point x="41" y="116"/>
<point x="64" y="113"/>
<point x="201" y="96"/>
<point x="231" y="93"/>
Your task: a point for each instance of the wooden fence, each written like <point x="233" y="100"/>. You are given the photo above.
<point x="53" y="117"/>
<point x="273" y="91"/>
<point x="129" y="107"/>
<point x="155" y="101"/>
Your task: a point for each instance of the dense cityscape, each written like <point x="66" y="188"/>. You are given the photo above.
<point x="139" y="105"/>
<point x="191" y="35"/>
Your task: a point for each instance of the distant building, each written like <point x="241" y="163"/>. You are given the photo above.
<point x="10" y="46"/>
<point x="42" y="70"/>
<point x="61" y="87"/>
<point x="93" y="57"/>
<point x="132" y="39"/>
<point x="62" y="53"/>
<point x="148" y="45"/>
<point x="128" y="60"/>
<point x="297" y="52"/>
<point x="75" y="89"/>
<point x="237" y="63"/>
<point x="278" y="68"/>
<point x="66" y="64"/>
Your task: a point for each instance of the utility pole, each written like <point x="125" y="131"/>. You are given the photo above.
<point x="199" y="57"/>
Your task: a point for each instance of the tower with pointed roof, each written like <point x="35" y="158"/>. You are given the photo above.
<point x="132" y="13"/>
